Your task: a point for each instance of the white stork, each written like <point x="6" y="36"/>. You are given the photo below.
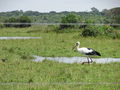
<point x="86" y="51"/>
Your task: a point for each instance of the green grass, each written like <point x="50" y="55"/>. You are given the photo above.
<point x="54" y="44"/>
<point x="26" y="74"/>
<point x="19" y="68"/>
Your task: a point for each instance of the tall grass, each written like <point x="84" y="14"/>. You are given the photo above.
<point x="53" y="44"/>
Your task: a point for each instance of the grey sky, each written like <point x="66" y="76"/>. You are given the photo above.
<point x="57" y="5"/>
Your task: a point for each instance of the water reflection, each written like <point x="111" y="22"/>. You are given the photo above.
<point x="75" y="59"/>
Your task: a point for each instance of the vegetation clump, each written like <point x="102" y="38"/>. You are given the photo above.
<point x="22" y="21"/>
<point x="104" y="30"/>
<point x="67" y="20"/>
<point x="90" y="31"/>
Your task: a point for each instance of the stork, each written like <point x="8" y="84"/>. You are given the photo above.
<point x="86" y="51"/>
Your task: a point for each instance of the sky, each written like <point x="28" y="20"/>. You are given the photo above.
<point x="57" y="5"/>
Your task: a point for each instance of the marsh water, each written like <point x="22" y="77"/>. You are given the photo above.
<point x="64" y="59"/>
<point x="7" y="38"/>
<point x="76" y="59"/>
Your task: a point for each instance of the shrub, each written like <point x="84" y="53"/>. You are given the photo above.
<point x="105" y="29"/>
<point x="70" y="18"/>
<point x="90" y="31"/>
<point x="1" y="25"/>
<point x="22" y="21"/>
<point x="97" y="30"/>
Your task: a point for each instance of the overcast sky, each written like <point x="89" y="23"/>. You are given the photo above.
<point x="57" y="5"/>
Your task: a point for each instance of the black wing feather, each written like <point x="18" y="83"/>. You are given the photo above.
<point x="93" y="52"/>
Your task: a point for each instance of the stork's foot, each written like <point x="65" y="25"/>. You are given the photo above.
<point x="82" y="63"/>
<point x="85" y="62"/>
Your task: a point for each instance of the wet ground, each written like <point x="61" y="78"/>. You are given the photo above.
<point x="76" y="59"/>
<point x="7" y="38"/>
<point x="65" y="59"/>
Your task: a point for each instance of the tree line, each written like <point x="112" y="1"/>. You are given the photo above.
<point x="94" y="16"/>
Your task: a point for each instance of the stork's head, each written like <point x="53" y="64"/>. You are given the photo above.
<point x="77" y="44"/>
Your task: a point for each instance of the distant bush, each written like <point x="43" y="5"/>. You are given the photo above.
<point x="1" y="25"/>
<point x="70" y="18"/>
<point x="90" y="31"/>
<point x="105" y="30"/>
<point x="22" y="21"/>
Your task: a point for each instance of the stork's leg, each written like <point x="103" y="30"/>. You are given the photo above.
<point x="87" y="61"/>
<point x="91" y="59"/>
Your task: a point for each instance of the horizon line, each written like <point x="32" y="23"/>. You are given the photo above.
<point x="57" y="11"/>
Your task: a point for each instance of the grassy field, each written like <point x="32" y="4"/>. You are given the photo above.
<point x="24" y="74"/>
<point x="50" y="75"/>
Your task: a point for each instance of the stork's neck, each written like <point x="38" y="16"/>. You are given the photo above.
<point x="77" y="47"/>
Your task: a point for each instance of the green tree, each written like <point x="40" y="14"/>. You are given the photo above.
<point x="95" y="10"/>
<point x="8" y="22"/>
<point x="69" y="19"/>
<point x="22" y="21"/>
<point x="114" y="15"/>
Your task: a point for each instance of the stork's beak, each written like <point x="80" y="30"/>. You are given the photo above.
<point x="74" y="47"/>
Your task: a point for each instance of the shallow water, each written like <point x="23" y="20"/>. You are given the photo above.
<point x="75" y="59"/>
<point x="6" y="38"/>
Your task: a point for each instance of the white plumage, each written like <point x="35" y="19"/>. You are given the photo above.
<point x="86" y="51"/>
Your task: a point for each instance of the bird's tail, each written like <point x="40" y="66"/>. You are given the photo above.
<point x="97" y="53"/>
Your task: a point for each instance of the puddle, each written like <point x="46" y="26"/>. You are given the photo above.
<point x="6" y="38"/>
<point x="76" y="59"/>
